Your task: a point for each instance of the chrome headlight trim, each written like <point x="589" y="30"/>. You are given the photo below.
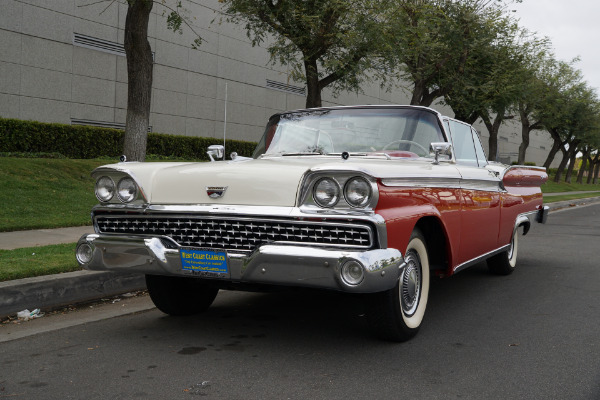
<point x="127" y="190"/>
<point x="116" y="175"/>
<point x="105" y="189"/>
<point x="307" y="203"/>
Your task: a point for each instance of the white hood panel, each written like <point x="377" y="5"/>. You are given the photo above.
<point x="263" y="182"/>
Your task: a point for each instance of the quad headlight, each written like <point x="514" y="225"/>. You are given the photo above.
<point x="105" y="188"/>
<point x="341" y="191"/>
<point x="326" y="192"/>
<point x="126" y="190"/>
<point x="357" y="192"/>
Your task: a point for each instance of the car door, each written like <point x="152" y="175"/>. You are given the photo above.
<point x="480" y="194"/>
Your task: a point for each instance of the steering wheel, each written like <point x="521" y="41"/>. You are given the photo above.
<point x="425" y="151"/>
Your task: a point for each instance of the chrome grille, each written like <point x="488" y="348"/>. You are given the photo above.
<point x="239" y="234"/>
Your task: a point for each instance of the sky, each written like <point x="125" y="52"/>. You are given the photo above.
<point x="573" y="27"/>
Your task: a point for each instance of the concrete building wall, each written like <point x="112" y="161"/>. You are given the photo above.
<point x="49" y="72"/>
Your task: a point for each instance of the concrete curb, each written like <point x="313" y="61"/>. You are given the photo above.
<point x="52" y="291"/>
<point x="559" y="205"/>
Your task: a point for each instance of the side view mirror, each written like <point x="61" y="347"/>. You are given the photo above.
<point x="443" y="148"/>
<point x="216" y="151"/>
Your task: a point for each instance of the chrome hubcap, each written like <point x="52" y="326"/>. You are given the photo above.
<point x="411" y="284"/>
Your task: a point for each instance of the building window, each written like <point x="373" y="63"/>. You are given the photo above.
<point x="106" y="46"/>
<point x="284" y="87"/>
<point x="102" y="124"/>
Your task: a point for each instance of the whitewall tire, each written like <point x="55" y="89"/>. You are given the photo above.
<point x="397" y="314"/>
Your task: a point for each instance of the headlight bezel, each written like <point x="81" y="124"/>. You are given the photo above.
<point x="306" y="197"/>
<point x="116" y="176"/>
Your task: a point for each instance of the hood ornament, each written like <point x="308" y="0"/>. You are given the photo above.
<point x="214" y="192"/>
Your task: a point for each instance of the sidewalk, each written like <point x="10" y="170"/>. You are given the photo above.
<point x="42" y="237"/>
<point x="52" y="291"/>
<point x="561" y="193"/>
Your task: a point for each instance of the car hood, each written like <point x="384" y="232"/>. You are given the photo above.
<point x="268" y="182"/>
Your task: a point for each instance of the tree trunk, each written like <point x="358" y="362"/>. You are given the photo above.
<point x="584" y="161"/>
<point x="493" y="128"/>
<point x="555" y="148"/>
<point x="525" y="131"/>
<point x="563" y="164"/>
<point x="596" y="173"/>
<point x="313" y="95"/>
<point x="572" y="158"/>
<point x="417" y="94"/>
<point x="524" y="144"/>
<point x="139" y="78"/>
<point x="590" y="172"/>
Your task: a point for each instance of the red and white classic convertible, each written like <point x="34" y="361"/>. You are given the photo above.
<point x="362" y="199"/>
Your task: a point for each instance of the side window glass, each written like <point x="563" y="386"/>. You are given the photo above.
<point x="479" y="149"/>
<point x="462" y="140"/>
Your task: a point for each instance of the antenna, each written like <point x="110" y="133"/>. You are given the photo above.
<point x="225" y="122"/>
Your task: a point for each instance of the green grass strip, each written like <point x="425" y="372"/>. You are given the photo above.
<point x="563" y="197"/>
<point x="553" y="187"/>
<point x="36" y="261"/>
<point x="42" y="193"/>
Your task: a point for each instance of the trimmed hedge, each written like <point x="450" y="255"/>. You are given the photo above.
<point x="74" y="141"/>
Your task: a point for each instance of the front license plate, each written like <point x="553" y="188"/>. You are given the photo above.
<point x="204" y="262"/>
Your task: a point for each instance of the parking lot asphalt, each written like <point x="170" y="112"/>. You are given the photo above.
<point x="53" y="291"/>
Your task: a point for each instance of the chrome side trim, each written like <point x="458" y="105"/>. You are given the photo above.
<point x="479" y="259"/>
<point x="486" y="185"/>
<point x="450" y="182"/>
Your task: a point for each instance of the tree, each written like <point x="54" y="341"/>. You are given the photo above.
<point x="434" y="42"/>
<point x="139" y="67"/>
<point x="495" y="80"/>
<point x="326" y="43"/>
<point x="533" y="98"/>
<point x="139" y="78"/>
<point x="574" y="124"/>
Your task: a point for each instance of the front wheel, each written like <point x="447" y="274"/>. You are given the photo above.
<point x="396" y="314"/>
<point x="178" y="296"/>
<point x="504" y="263"/>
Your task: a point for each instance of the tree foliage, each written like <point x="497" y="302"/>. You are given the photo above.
<point x="434" y="42"/>
<point x="325" y="43"/>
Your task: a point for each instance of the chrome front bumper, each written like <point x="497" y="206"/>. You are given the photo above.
<point x="281" y="265"/>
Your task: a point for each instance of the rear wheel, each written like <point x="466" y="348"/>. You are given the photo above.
<point x="175" y="295"/>
<point x="504" y="263"/>
<point x="396" y="314"/>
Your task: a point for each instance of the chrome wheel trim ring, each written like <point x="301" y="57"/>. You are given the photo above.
<point x="410" y="289"/>
<point x="511" y="250"/>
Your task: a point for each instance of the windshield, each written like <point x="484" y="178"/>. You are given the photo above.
<point x="397" y="132"/>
